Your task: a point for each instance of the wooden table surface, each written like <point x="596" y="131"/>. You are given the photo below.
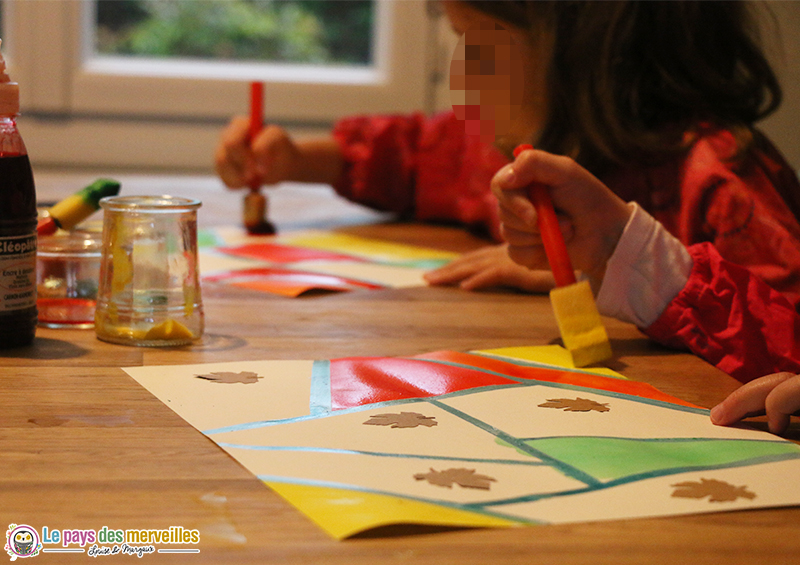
<point x="84" y="446"/>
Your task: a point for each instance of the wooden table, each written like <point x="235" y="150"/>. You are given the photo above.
<point x="84" y="446"/>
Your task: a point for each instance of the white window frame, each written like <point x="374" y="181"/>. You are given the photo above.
<point x="157" y="114"/>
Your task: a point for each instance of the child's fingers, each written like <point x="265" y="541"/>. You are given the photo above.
<point x="492" y="276"/>
<point x="237" y="132"/>
<point x="511" y="275"/>
<point x="268" y="150"/>
<point x="575" y="192"/>
<point x="517" y="232"/>
<point x="516" y="210"/>
<point x="521" y="238"/>
<point x="751" y="399"/>
<point x="229" y="173"/>
<point x="781" y="403"/>
<point x="534" y="165"/>
<point x="506" y="179"/>
<point x="466" y="265"/>
<point x="232" y="153"/>
<point x="525" y="247"/>
<point x="531" y="256"/>
<point x="275" y="154"/>
<point x="454" y="272"/>
<point x="511" y="194"/>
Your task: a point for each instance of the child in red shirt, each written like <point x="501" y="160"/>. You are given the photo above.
<point x="663" y="113"/>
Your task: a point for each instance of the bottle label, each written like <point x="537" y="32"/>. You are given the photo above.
<point x="17" y="272"/>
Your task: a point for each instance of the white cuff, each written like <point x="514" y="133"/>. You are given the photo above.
<point x="648" y="269"/>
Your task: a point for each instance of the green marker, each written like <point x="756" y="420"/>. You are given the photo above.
<point x="74" y="209"/>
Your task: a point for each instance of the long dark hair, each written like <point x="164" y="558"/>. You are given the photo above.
<point x="631" y="80"/>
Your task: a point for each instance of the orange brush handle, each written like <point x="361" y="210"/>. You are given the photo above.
<point x="554" y="246"/>
<point x="256" y="113"/>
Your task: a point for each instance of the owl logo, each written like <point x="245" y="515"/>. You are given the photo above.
<point x="22" y="541"/>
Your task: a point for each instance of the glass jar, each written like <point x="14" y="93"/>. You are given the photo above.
<point x="149" y="292"/>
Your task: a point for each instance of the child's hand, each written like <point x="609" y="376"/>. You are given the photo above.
<point x="270" y="158"/>
<point x="592" y="218"/>
<point x="490" y="267"/>
<point x="777" y="395"/>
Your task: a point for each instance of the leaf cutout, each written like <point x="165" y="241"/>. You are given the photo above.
<point x="717" y="491"/>
<point x="575" y="405"/>
<point x="226" y="377"/>
<point x="402" y="420"/>
<point x="465" y="478"/>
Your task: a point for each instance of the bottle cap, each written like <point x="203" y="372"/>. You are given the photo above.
<point x="9" y="91"/>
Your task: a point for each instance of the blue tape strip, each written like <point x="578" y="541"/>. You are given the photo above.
<point x="307" y="449"/>
<point x="320" y="396"/>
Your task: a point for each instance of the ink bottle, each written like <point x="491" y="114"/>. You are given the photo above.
<point x="18" y="218"/>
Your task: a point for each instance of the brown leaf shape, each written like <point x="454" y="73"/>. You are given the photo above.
<point x="465" y="478"/>
<point x="575" y="405"/>
<point x="717" y="491"/>
<point x="402" y="420"/>
<point x="226" y="377"/>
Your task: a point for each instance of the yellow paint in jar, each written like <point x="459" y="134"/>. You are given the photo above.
<point x="169" y="329"/>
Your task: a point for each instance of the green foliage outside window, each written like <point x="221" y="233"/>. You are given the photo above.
<point x="286" y="31"/>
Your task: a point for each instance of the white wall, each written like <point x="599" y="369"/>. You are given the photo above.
<point x="783" y="46"/>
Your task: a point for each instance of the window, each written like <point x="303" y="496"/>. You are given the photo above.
<point x="98" y="90"/>
<point x="332" y="32"/>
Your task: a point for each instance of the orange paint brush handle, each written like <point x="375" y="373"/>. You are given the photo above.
<point x="553" y="240"/>
<point x="256" y="114"/>
<point x="554" y="246"/>
<point x="255" y="203"/>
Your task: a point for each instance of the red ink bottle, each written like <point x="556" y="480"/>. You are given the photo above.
<point x="18" y="314"/>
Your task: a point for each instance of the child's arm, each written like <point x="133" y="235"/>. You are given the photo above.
<point x="777" y="395"/>
<point x="274" y="157"/>
<point x="720" y="311"/>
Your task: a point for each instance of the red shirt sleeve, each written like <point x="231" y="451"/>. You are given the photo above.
<point x="732" y="319"/>
<point x="742" y="203"/>
<point x="380" y="160"/>
<point x="418" y="167"/>
<point x="736" y="205"/>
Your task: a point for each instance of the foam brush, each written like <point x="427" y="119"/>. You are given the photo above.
<point x="576" y="313"/>
<point x="77" y="207"/>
